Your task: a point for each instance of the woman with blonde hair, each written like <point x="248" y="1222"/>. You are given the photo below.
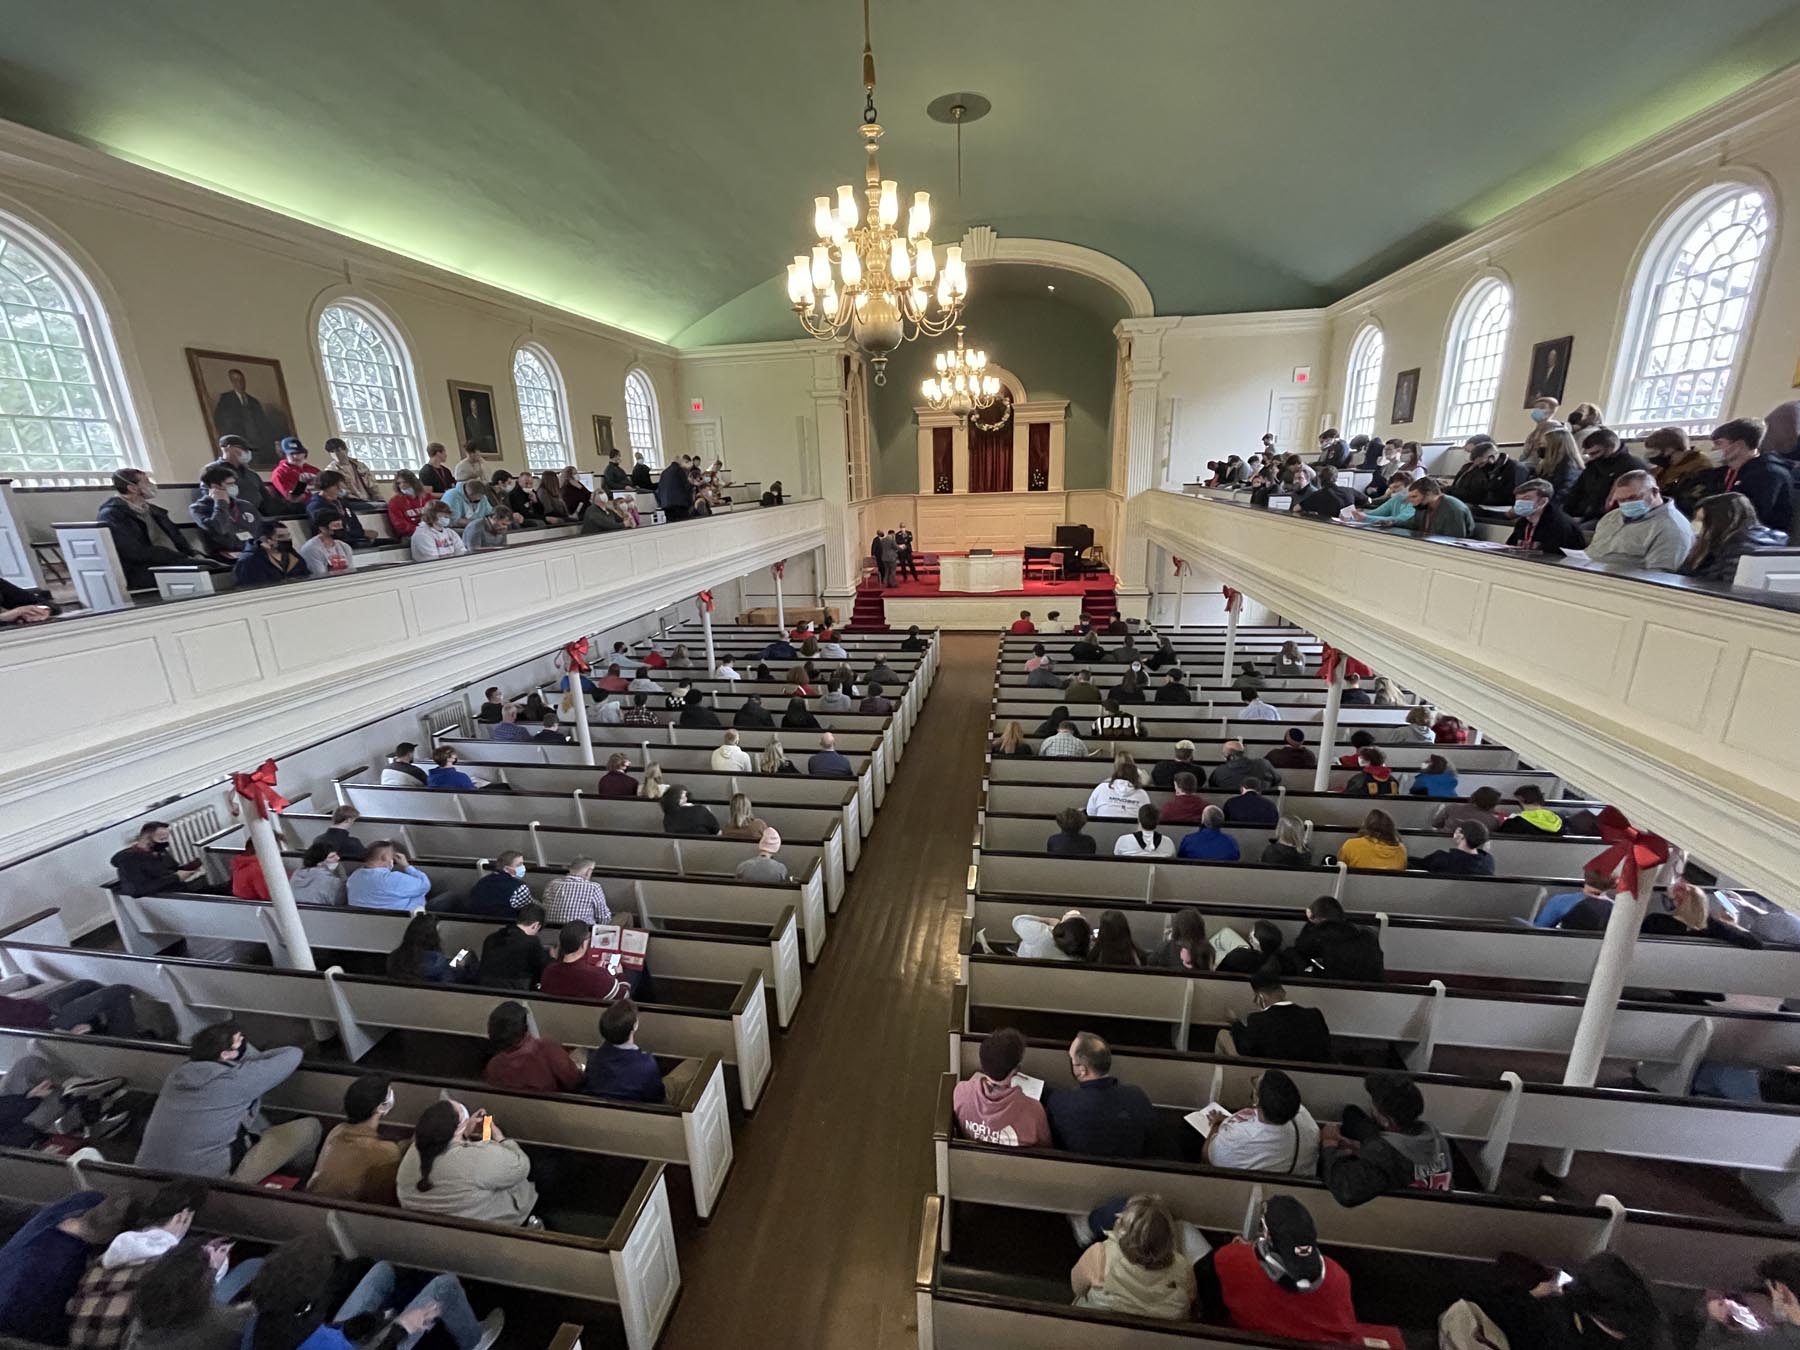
<point x="651" y="787"/>
<point x="1724" y="525"/>
<point x="1412" y="462"/>
<point x="1557" y="460"/>
<point x="1012" y="743"/>
<point x="743" y="822"/>
<point x="1135" y="1268"/>
<point x="1292" y="844"/>
<point x="1387" y="693"/>
<point x="1543" y="417"/>
<point x="1583" y="418"/>
<point x="773" y="758"/>
<point x="1376" y="847"/>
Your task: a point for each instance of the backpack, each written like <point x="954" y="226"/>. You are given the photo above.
<point x="1464" y="1326"/>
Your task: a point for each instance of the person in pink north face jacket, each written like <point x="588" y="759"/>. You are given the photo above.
<point x="991" y="1108"/>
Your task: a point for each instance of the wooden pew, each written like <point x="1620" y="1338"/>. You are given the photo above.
<point x="1082" y="774"/>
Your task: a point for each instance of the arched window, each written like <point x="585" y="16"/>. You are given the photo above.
<point x="1472" y="362"/>
<point x="1363" y="384"/>
<point x="1690" y="310"/>
<point x="543" y="408"/>
<point x="62" y="409"/>
<point x="374" y="405"/>
<point x="642" y="427"/>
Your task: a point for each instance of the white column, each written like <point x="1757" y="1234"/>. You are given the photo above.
<point x="1334" y="698"/>
<point x="843" y="552"/>
<point x="780" y="604"/>
<point x="1231" y="618"/>
<point x="712" y="658"/>
<point x="583" y="735"/>
<point x="1141" y="374"/>
<point x="1181" y="600"/>
<point x="1604" y="987"/>
<point x="275" y="877"/>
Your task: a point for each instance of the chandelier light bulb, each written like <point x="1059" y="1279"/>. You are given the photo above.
<point x="920" y="300"/>
<point x="900" y="262"/>
<point x="924" y="260"/>
<point x="822" y="218"/>
<point x="846" y="208"/>
<point x="918" y="219"/>
<point x="799" y="282"/>
<point x="821" y="267"/>
<point x="831" y="302"/>
<point x="890" y="201"/>
<point x="850" y="268"/>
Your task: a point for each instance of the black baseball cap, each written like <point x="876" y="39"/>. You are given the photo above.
<point x="1293" y="1241"/>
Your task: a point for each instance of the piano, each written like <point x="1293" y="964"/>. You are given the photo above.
<point x="1072" y="541"/>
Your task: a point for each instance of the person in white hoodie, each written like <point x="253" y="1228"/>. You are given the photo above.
<point x="434" y="538"/>
<point x="731" y="757"/>
<point x="1121" y="795"/>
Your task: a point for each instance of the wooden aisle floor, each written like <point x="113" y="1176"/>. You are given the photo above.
<point x="813" y="1245"/>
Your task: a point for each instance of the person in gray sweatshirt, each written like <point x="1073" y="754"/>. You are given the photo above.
<point x="1642" y="529"/>
<point x="208" y="1121"/>
<point x="1389" y="1148"/>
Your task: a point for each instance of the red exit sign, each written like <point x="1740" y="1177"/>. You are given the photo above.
<point x="1302" y="374"/>
<point x="698" y="405"/>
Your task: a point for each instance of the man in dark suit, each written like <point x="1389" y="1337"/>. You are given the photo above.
<point x="1100" y="1116"/>
<point x="903" y="539"/>
<point x="1279" y="1028"/>
<point x="674" y="493"/>
<point x="240" y="413"/>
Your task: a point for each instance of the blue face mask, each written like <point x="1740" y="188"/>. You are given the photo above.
<point x="1636" y="509"/>
<point x="1524" y="508"/>
<point x="1540" y="414"/>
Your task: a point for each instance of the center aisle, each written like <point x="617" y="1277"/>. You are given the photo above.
<point x="815" y="1241"/>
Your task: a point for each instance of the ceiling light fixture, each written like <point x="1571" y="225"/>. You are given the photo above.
<point x="960" y="386"/>
<point x="865" y="280"/>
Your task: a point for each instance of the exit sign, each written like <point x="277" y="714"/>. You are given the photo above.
<point x="1302" y="374"/>
<point x="698" y="405"/>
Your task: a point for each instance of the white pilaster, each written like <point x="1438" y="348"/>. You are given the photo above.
<point x="831" y="406"/>
<point x="1141" y="368"/>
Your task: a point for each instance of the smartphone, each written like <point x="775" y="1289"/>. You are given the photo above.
<point x="487" y="1126"/>
<point x="460" y="957"/>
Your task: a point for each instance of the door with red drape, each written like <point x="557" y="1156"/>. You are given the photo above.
<point x="1037" y="457"/>
<point x="943" y="459"/>
<point x="991" y="452"/>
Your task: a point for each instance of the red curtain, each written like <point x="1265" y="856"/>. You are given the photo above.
<point x="1037" y="461"/>
<point x="942" y="459"/>
<point x="991" y="454"/>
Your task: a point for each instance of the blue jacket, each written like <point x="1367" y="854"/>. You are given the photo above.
<point x="387" y="888"/>
<point x="509" y="731"/>
<point x="1209" y="845"/>
<point x="828" y="764"/>
<point x="255" y="568"/>
<point x="1103" y="1117"/>
<point x="39" y="1269"/>
<point x="623" y="1073"/>
<point x="1251" y="809"/>
<point x="441" y="777"/>
<point x="318" y="511"/>
<point x="1556" y="908"/>
<point x="1434" y="785"/>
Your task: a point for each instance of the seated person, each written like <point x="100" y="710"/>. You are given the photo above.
<point x="1376" y="846"/>
<point x="1136" y="1268"/>
<point x="488" y="532"/>
<point x="514" y="957"/>
<point x="751" y="715"/>
<point x="1594" y="899"/>
<point x="826" y="762"/>
<point x="1279" y="1283"/>
<point x="208" y="1122"/>
<point x="1533" y="818"/>
<point x="575" y="974"/>
<point x="1115" y="724"/>
<point x="331" y="502"/>
<point x="247" y="880"/>
<point x="355" y="1162"/>
<point x="420" y="955"/>
<point x="521" y="1062"/>
<point x="1146" y="841"/>
<point x="1064" y="744"/>
<point x="326" y="553"/>
<point x="446" y="776"/>
<point x="874" y="704"/>
<point x="42" y="1263"/>
<point x="1390" y="1147"/>
<point x="387" y="880"/>
<point x="1187" y="805"/>
<point x="695" y="713"/>
<point x="1162" y="773"/>
<point x="509" y="727"/>
<point x="1437" y="513"/>
<point x="80" y="1006"/>
<point x="1436" y="779"/>
<point x="462" y="1165"/>
<point x="681" y="815"/>
<point x="1292" y="844"/>
<point x="617" y="1069"/>
<point x="765" y="868"/>
<point x="1210" y="842"/>
<point x="1276" y="1133"/>
<point x="227" y="525"/>
<point x="1642" y="529"/>
<point x="1542" y="524"/>
<point x="1372" y="778"/>
<point x="990" y="1107"/>
<point x="1605" y="1303"/>
<point x="1467" y="856"/>
<point x="100" y="1307"/>
<point x="617" y="780"/>
<point x="1071" y="839"/>
<point x="1100" y="1116"/>
<point x="147" y="867"/>
<point x="1174" y="689"/>
<point x="400" y="770"/>
<point x="1292" y="752"/>
<point x="142" y="533"/>
<point x="492" y="706"/>
<point x="337" y="836"/>
<point x="731" y="757"/>
<point x="1330" y="947"/>
<point x="1238" y="769"/>
<point x="1329" y="499"/>
<point x="1279" y="1028"/>
<point x="1250" y="807"/>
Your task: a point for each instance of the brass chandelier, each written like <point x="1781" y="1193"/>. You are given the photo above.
<point x="961" y="385"/>
<point x="865" y="280"/>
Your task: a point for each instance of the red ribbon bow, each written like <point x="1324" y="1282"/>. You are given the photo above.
<point x="779" y="569"/>
<point x="574" y="657"/>
<point x="1631" y="849"/>
<point x="1329" y="656"/>
<point x="1231" y="597"/>
<point x="259" y="789"/>
<point x="1180" y="564"/>
<point x="706" y="601"/>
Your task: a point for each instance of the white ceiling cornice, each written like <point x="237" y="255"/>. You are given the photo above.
<point x="750" y="353"/>
<point x="1266" y="322"/>
<point x="1701" y="141"/>
<point x="36" y="159"/>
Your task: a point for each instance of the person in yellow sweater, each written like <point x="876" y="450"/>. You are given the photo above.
<point x="1376" y="847"/>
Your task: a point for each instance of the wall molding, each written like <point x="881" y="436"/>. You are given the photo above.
<point x="1263" y="323"/>
<point x="751" y="353"/>
<point x="983" y="245"/>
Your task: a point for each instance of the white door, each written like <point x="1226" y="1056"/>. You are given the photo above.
<point x="1294" y="418"/>
<point x="705" y="440"/>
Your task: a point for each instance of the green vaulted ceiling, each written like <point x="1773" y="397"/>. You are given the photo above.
<point x="650" y="162"/>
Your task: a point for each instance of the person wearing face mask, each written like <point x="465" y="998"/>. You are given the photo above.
<point x="1543" y="422"/>
<point x="359" y="484"/>
<point x="207" y="1121"/>
<point x="1279" y="1283"/>
<point x="502" y="891"/>
<point x="356" y="1163"/>
<point x="234" y="454"/>
<point x="147" y="867"/>
<point x="1540" y="524"/>
<point x="143" y="535"/>
<point x="293" y="477"/>
<point x="1746" y="470"/>
<point x="435" y="538"/>
<point x="319" y="879"/>
<point x="1642" y="530"/>
<point x="1333" y="453"/>
<point x="326" y="553"/>
<point x="1607" y="462"/>
<point x="331" y="502"/>
<point x="227" y="525"/>
<point x="273" y="559"/>
<point x="1725" y="529"/>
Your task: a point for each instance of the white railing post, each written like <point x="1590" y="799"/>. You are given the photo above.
<point x="275" y="877"/>
<point x="1334" y="699"/>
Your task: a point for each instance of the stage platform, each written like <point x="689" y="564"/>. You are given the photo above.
<point x="923" y="602"/>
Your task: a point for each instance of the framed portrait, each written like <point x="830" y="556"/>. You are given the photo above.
<point x="473" y="405"/>
<point x="603" y="434"/>
<point x="1406" y="395"/>
<point x="243" y="396"/>
<point x="1549" y="369"/>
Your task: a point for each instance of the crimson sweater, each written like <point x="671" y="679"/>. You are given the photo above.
<point x="1257" y="1303"/>
<point x="533" y="1065"/>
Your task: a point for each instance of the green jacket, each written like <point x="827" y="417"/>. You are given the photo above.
<point x="1449" y="519"/>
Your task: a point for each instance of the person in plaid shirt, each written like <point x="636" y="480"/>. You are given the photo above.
<point x="576" y="897"/>
<point x="639" y="713"/>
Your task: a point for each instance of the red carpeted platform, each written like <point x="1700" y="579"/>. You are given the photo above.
<point x="1093" y="594"/>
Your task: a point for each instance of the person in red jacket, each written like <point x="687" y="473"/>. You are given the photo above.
<point x="1023" y="624"/>
<point x="293" y="477"/>
<point x="521" y="1062"/>
<point x="1279" y="1285"/>
<point x="247" y="880"/>
<point x="407" y="506"/>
